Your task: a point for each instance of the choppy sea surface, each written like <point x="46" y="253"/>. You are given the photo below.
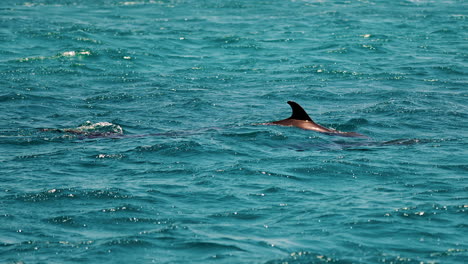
<point x="128" y="131"/>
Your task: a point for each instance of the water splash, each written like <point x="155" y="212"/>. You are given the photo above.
<point x="90" y="129"/>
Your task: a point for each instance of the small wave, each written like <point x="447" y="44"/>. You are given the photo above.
<point x="69" y="54"/>
<point x="202" y="245"/>
<point x="285" y="175"/>
<point x="306" y="257"/>
<point x="123" y="208"/>
<point x="134" y="3"/>
<point x="64" y="221"/>
<point x="171" y="148"/>
<point x="128" y="242"/>
<point x="244" y="215"/>
<point x="428" y="210"/>
<point x="110" y="156"/>
<point x="71" y="193"/>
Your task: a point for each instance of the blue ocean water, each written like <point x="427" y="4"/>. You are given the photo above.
<point x="128" y="131"/>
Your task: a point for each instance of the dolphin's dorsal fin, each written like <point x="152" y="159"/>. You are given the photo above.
<point x="298" y="112"/>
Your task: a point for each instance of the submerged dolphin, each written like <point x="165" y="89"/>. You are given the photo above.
<point x="301" y="119"/>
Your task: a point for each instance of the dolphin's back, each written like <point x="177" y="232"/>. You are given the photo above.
<point x="301" y="119"/>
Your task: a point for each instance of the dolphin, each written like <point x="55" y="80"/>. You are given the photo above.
<point x="301" y="119"/>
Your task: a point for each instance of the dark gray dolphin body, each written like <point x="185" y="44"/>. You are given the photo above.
<point x="301" y="119"/>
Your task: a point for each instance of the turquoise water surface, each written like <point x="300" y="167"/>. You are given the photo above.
<point x="129" y="131"/>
